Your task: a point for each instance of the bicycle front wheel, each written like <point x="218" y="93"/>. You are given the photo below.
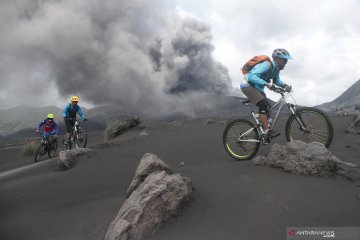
<point x="53" y="148"/>
<point x="40" y="152"/>
<point x="241" y="139"/>
<point x="80" y="138"/>
<point x="67" y="144"/>
<point x="317" y="127"/>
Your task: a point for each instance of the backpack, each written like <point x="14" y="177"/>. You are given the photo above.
<point x="255" y="60"/>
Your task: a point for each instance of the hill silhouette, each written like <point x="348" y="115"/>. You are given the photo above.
<point x="19" y="121"/>
<point x="350" y="99"/>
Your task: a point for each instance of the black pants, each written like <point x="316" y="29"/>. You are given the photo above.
<point x="69" y="123"/>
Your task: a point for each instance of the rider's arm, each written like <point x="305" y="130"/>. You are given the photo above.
<point x="277" y="80"/>
<point x="254" y="75"/>
<point x="66" y="109"/>
<point x="41" y="124"/>
<point x="56" y="129"/>
<point x="82" y="116"/>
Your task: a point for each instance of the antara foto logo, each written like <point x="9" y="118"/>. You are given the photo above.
<point x="292" y="233"/>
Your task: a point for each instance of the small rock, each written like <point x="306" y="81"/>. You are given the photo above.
<point x="143" y="134"/>
<point x="210" y="121"/>
<point x="259" y="160"/>
<point x="181" y="164"/>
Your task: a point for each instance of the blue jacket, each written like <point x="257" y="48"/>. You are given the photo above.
<point x="259" y="75"/>
<point x="49" y="127"/>
<point x="71" y="112"/>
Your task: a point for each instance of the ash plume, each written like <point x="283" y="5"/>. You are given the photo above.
<point x="139" y="55"/>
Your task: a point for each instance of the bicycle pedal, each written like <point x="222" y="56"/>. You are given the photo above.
<point x="276" y="135"/>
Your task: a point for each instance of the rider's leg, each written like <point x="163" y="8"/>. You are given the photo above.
<point x="259" y="98"/>
<point x="53" y="136"/>
<point x="68" y="128"/>
<point x="264" y="121"/>
<point x="46" y="136"/>
<point x="264" y="108"/>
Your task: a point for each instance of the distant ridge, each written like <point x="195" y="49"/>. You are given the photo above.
<point x="350" y="99"/>
<point x="23" y="117"/>
<point x="20" y="121"/>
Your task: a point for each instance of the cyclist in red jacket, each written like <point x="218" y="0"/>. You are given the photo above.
<point x="50" y="127"/>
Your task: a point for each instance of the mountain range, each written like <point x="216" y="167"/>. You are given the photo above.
<point x="19" y="122"/>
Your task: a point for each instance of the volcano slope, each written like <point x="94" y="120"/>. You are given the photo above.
<point x="231" y="199"/>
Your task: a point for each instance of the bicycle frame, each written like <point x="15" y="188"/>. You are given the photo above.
<point x="75" y="128"/>
<point x="45" y="141"/>
<point x="242" y="137"/>
<point x="281" y="103"/>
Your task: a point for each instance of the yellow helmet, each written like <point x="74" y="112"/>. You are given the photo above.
<point x="50" y="116"/>
<point x="74" y="99"/>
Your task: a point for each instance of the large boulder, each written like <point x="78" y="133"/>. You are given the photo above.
<point x="155" y="195"/>
<point x="66" y="159"/>
<point x="308" y="159"/>
<point x="149" y="163"/>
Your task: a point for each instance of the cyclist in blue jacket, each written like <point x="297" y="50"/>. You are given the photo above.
<point x="69" y="114"/>
<point x="259" y="77"/>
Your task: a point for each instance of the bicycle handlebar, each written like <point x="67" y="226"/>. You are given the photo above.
<point x="278" y="89"/>
<point x="84" y="120"/>
<point x="38" y="131"/>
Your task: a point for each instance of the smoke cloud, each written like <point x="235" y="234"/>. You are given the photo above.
<point x="139" y="54"/>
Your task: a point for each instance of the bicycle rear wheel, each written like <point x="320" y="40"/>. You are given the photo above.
<point x="318" y="127"/>
<point x="241" y="139"/>
<point x="40" y="152"/>
<point x="80" y="138"/>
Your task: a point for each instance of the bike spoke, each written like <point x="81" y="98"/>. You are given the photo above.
<point x="235" y="131"/>
<point x="317" y="128"/>
<point x="241" y="140"/>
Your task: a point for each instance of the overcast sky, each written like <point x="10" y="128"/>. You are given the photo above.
<point x="150" y="52"/>
<point x="322" y="36"/>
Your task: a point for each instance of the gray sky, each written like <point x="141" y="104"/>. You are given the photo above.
<point x="144" y="54"/>
<point x="322" y="36"/>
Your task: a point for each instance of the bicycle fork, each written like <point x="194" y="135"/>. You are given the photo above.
<point x="298" y="119"/>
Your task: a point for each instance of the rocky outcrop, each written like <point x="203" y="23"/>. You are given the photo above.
<point x="155" y="195"/>
<point x="308" y="159"/>
<point x="66" y="159"/>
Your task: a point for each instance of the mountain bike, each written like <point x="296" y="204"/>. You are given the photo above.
<point x="47" y="145"/>
<point x="78" y="136"/>
<point x="242" y="138"/>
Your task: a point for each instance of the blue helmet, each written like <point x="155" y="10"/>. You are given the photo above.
<point x="281" y="53"/>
